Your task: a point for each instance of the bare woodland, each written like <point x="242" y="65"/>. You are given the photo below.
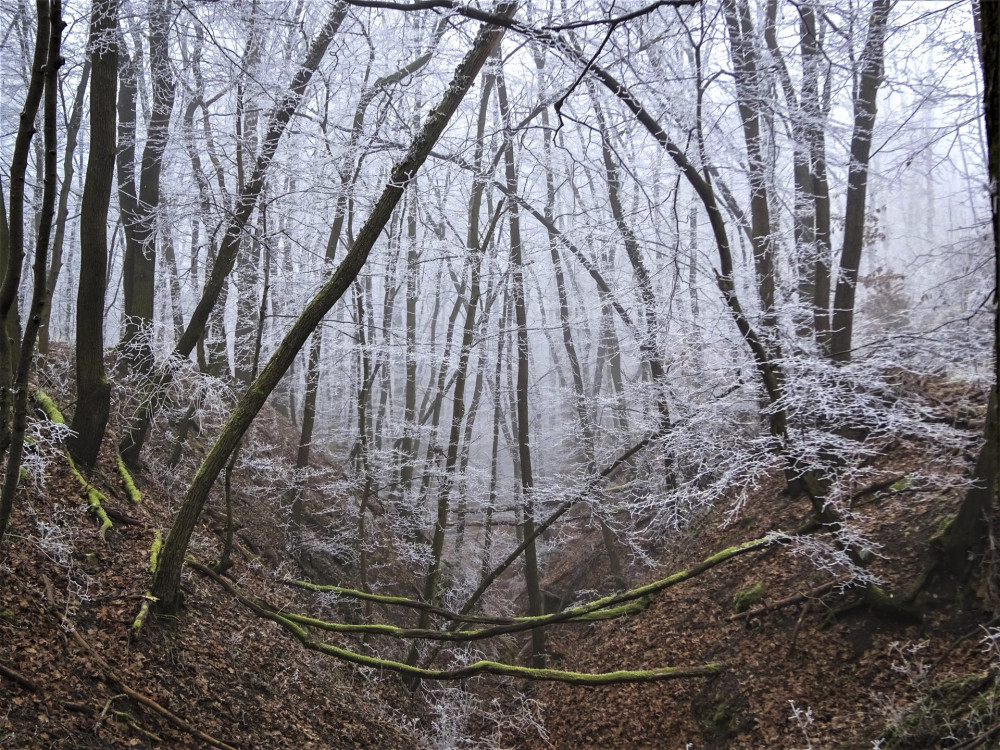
<point x="441" y="293"/>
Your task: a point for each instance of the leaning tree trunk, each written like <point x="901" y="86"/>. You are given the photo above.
<point x="92" y="387"/>
<point x="166" y="584"/>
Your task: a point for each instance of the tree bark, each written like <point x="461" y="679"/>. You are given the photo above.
<point x="50" y="26"/>
<point x="865" y="109"/>
<point x="166" y="584"/>
<point x="92" y="387"/>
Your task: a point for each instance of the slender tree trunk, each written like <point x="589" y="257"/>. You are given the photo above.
<point x="814" y="108"/>
<point x="750" y="91"/>
<point x="475" y="260"/>
<point x="865" y="109"/>
<point x="62" y="213"/>
<point x="166" y="584"/>
<point x="50" y="26"/>
<point x="15" y="225"/>
<point x="532" y="579"/>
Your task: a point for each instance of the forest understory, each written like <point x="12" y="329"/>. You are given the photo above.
<point x="804" y="661"/>
<point x="443" y="374"/>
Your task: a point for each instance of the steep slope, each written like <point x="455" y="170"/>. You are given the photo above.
<point x="75" y="672"/>
<point x="806" y="663"/>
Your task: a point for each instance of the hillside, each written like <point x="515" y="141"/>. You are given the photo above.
<point x="804" y="663"/>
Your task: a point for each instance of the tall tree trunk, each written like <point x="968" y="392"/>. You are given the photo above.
<point x="166" y="584"/>
<point x="50" y="26"/>
<point x="139" y="274"/>
<point x="92" y="387"/>
<point x="815" y="107"/>
<point x="532" y="579"/>
<point x="750" y="93"/>
<point x="865" y="109"/>
<point x="62" y="213"/>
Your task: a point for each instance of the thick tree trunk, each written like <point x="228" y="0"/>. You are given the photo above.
<point x="93" y="390"/>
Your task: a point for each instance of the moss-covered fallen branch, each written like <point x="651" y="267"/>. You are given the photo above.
<point x="477" y="668"/>
<point x="599" y="609"/>
<point x="511" y="626"/>
<point x="95" y="499"/>
<point x="133" y="492"/>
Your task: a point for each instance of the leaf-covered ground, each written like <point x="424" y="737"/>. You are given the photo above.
<point x="824" y="671"/>
<point x="820" y="671"/>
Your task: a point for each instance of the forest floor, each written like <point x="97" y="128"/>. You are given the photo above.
<point x="817" y="672"/>
<point x="805" y="664"/>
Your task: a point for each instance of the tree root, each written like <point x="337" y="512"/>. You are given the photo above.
<point x="479" y="667"/>
<point x="144" y="700"/>
<point x="154" y="556"/>
<point x="20" y="679"/>
<point x="130" y="488"/>
<point x="95" y="499"/>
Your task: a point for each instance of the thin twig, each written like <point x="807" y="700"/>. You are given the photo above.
<point x="173" y="718"/>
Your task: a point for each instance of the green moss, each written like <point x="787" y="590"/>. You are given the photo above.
<point x="154" y="551"/>
<point x="130" y="488"/>
<point x="745" y="599"/>
<point x="8" y="616"/>
<point x="902" y="484"/>
<point x="941" y="532"/>
<point x="49" y="407"/>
